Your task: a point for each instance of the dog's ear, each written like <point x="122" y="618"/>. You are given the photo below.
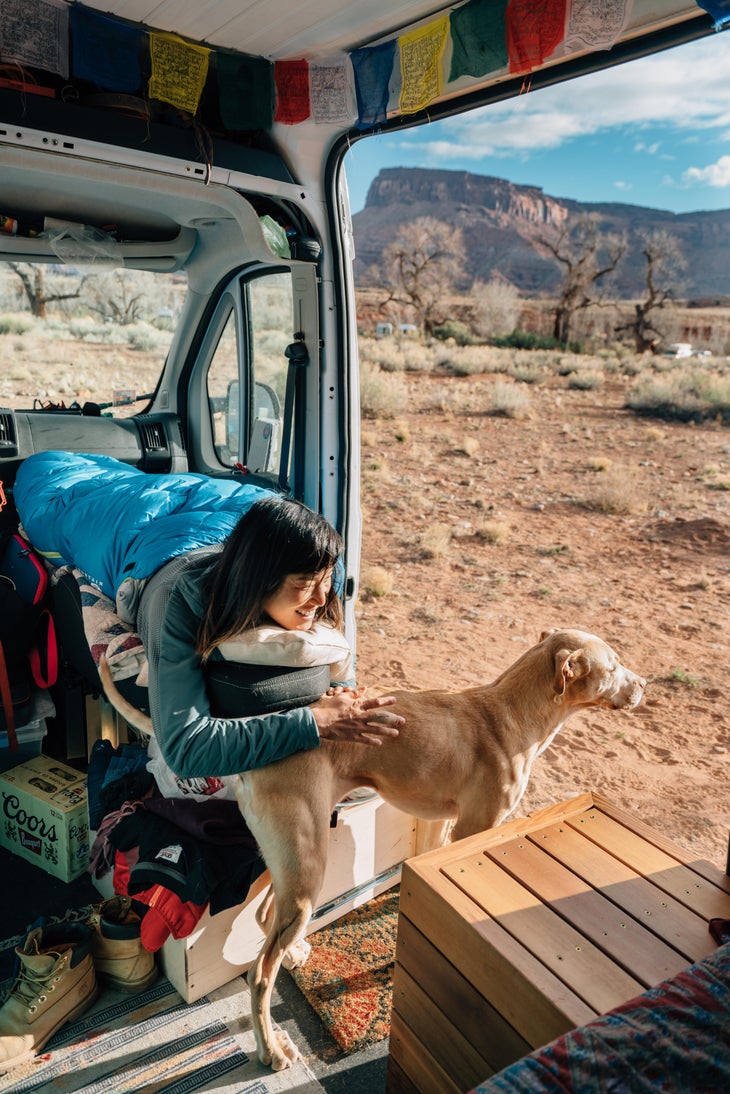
<point x="569" y="665"/>
<point x="547" y="633"/>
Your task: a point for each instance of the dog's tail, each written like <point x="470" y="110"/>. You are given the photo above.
<point x="130" y="713"/>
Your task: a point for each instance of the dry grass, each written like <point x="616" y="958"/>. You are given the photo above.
<point x="493" y="531"/>
<point x="599" y="463"/>
<point x="510" y="401"/>
<point x="377" y="581"/>
<point x="435" y="542"/>
<point x="382" y="395"/>
<point x="619" y="490"/>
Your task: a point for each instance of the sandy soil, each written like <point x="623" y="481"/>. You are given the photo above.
<point x="653" y="581"/>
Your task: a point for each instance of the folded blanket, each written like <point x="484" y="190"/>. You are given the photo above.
<point x="106" y="634"/>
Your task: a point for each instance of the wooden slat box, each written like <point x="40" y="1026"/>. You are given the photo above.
<point x="509" y="938"/>
<point x="366" y="849"/>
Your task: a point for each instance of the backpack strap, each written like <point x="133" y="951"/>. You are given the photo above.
<point x="45" y="669"/>
<point x="7" y="700"/>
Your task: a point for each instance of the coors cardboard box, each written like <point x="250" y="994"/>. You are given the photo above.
<point x="44" y="816"/>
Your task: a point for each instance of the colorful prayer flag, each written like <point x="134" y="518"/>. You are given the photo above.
<point x="292" y="91"/>
<point x="421" y="65"/>
<point x="35" y="33"/>
<point x="372" y="67"/>
<point x="594" y="24"/>
<point x="478" y="38"/>
<point x="535" y="29"/>
<point x="719" y="10"/>
<point x="179" y="71"/>
<point x="105" y="51"/>
<point x="332" y="90"/>
<point x="246" y="92"/>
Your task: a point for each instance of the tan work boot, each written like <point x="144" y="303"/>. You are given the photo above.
<point x="56" y="983"/>
<point x="119" y="956"/>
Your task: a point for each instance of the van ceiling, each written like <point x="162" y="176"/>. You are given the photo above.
<point x="279" y="29"/>
<point x="275" y="28"/>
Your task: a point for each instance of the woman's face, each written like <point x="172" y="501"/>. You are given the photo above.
<point x="298" y="600"/>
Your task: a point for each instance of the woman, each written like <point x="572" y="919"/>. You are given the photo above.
<point x="277" y="566"/>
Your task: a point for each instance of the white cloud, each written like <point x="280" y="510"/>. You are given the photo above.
<point x="715" y="174"/>
<point x="684" y="88"/>
<point x="623" y="185"/>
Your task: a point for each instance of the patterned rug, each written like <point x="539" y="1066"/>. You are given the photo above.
<point x="154" y="1042"/>
<point x="348" y="977"/>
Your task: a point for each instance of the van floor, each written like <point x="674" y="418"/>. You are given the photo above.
<point x="31" y="892"/>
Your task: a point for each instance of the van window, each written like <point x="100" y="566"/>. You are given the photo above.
<point x="72" y="336"/>
<point x="247" y="375"/>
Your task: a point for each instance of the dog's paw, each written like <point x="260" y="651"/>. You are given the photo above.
<point x="296" y="955"/>
<point x="284" y="1053"/>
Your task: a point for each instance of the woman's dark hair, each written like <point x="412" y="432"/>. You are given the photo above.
<point x="275" y="538"/>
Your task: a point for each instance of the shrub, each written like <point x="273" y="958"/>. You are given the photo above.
<point x="377" y="581"/>
<point x="528" y="339"/>
<point x="510" y="401"/>
<point x="16" y="324"/>
<point x="523" y="374"/>
<point x="382" y="395"/>
<point x="684" y="396"/>
<point x="619" y="490"/>
<point x="435" y="541"/>
<point x="585" y="381"/>
<point x="454" y="328"/>
<point x="493" y="531"/>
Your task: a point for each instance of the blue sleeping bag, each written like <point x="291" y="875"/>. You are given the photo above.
<point x="115" y="522"/>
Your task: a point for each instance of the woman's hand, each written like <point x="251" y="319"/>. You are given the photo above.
<point x="343" y="714"/>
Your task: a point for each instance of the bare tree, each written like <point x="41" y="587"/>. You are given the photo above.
<point x="37" y="289"/>
<point x="587" y="255"/>
<point x="664" y="260"/>
<point x="119" y="295"/>
<point x="420" y="267"/>
<point x="496" y="306"/>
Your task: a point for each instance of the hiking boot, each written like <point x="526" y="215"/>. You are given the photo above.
<point x="119" y="956"/>
<point x="55" y="984"/>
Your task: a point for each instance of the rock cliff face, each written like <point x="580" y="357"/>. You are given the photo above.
<point x="503" y="223"/>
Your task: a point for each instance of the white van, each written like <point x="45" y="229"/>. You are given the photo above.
<point x="196" y="160"/>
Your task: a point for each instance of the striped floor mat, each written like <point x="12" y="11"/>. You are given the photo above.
<point x="155" y="1042"/>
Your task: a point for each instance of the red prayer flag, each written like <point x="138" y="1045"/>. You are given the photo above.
<point x="535" y="28"/>
<point x="292" y="91"/>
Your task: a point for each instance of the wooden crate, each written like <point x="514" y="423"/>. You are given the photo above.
<point x="367" y="847"/>
<point x="512" y="937"/>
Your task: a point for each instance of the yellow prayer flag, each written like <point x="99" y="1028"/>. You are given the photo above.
<point x="421" y="65"/>
<point x="179" y="71"/>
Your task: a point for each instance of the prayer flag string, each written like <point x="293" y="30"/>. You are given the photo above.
<point x="363" y="88"/>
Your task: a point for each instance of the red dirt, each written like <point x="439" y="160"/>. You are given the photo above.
<point x="654" y="582"/>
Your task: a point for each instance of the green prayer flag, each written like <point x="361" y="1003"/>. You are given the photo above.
<point x="478" y="38"/>
<point x="245" y="91"/>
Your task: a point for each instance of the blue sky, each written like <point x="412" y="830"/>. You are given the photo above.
<point x="655" y="132"/>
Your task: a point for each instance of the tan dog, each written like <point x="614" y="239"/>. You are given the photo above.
<point x="463" y="756"/>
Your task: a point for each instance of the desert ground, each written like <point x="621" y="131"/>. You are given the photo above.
<point x="485" y="530"/>
<point x="480" y="530"/>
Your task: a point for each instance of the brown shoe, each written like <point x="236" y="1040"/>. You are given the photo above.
<point x="55" y="984"/>
<point x="120" y="958"/>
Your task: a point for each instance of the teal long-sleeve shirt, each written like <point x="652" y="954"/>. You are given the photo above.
<point x="193" y="742"/>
